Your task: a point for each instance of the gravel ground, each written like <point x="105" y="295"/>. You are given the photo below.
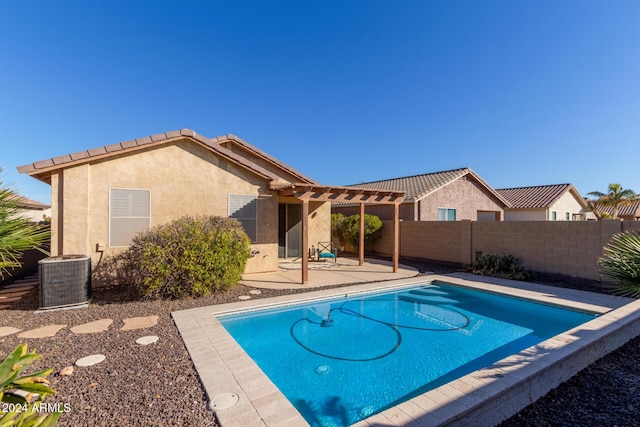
<point x="158" y="385"/>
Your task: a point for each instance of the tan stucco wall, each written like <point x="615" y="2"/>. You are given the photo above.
<point x="465" y="196"/>
<point x="183" y="179"/>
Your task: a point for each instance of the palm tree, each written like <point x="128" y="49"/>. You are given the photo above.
<point x="17" y="233"/>
<point x="615" y="198"/>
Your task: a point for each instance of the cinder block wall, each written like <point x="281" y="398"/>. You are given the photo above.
<point x="562" y="247"/>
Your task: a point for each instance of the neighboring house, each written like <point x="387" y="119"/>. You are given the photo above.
<point x="560" y="202"/>
<point x="102" y="197"/>
<point x="453" y="195"/>
<point x="630" y="212"/>
<point x="34" y="211"/>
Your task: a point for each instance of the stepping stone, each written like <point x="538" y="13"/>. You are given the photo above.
<point x="149" y="339"/>
<point x="43" y="332"/>
<point x="139" y="323"/>
<point x="92" y="327"/>
<point x="8" y="330"/>
<point x="255" y="292"/>
<point x="244" y="297"/>
<point x="94" y="359"/>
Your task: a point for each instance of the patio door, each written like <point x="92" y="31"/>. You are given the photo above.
<point x="289" y="230"/>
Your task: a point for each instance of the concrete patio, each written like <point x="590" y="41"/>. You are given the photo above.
<point x="327" y="273"/>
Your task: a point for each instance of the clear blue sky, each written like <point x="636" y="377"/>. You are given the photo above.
<point x="524" y="93"/>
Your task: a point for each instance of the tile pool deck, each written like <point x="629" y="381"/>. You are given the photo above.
<point x="482" y="398"/>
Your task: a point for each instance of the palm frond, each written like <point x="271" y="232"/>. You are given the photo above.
<point x="621" y="262"/>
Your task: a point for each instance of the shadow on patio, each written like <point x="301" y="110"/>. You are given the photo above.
<point x="328" y="273"/>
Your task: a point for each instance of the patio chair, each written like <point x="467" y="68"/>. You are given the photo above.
<point x="326" y="251"/>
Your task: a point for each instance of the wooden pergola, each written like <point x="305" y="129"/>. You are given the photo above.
<point x="306" y="193"/>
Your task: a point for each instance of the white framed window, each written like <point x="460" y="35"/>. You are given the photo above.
<point x="567" y="216"/>
<point x="554" y="216"/>
<point x="129" y="214"/>
<point x="446" y="214"/>
<point x="244" y="208"/>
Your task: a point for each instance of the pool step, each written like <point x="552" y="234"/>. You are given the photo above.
<point x="427" y="291"/>
<point x="425" y="299"/>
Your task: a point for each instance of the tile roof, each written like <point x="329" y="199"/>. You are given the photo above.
<point x="540" y="196"/>
<point x="40" y="168"/>
<point x="419" y="186"/>
<point x="632" y="209"/>
<point x="26" y="203"/>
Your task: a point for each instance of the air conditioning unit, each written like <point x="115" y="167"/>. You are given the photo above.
<point x="64" y="281"/>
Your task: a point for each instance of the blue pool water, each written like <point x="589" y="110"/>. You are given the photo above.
<point x="339" y="361"/>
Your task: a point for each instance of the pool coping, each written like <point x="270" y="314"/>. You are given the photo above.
<point x="484" y="397"/>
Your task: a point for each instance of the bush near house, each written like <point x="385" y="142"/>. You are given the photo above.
<point x="372" y="229"/>
<point x="621" y="262"/>
<point x="190" y="256"/>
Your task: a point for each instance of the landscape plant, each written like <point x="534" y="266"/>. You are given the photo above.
<point x="621" y="262"/>
<point x="507" y="267"/>
<point x="190" y="256"/>
<point x="17" y="233"/>
<point x="337" y="234"/>
<point x="372" y="229"/>
<point x="28" y="410"/>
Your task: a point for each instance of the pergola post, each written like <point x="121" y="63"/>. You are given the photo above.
<point x="305" y="241"/>
<point x="361" y="240"/>
<point x="396" y="236"/>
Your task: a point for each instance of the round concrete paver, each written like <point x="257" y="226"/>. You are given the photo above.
<point x="255" y="292"/>
<point x="94" y="359"/>
<point x="223" y="401"/>
<point x="244" y="297"/>
<point x="149" y="339"/>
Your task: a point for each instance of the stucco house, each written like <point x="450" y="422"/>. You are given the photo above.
<point x="558" y="202"/>
<point x="33" y="210"/>
<point x="453" y="195"/>
<point x="102" y="197"/>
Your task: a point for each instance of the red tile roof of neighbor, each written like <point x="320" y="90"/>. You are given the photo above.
<point x="537" y="197"/>
<point x="26" y="203"/>
<point x="419" y="186"/>
<point x="631" y="209"/>
<point x="40" y="168"/>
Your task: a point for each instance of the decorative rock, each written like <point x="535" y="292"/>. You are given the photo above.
<point x="8" y="330"/>
<point x="139" y="323"/>
<point x="45" y="331"/>
<point x="92" y="327"/>
<point x="94" y="359"/>
<point x="244" y="297"/>
<point x="66" y="371"/>
<point x="149" y="339"/>
<point x="255" y="292"/>
<point x="223" y="401"/>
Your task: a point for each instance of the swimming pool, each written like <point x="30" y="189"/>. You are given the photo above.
<point x="341" y="360"/>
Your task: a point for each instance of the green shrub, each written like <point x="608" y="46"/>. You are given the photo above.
<point x="190" y="256"/>
<point x="506" y="266"/>
<point x="337" y="234"/>
<point x="24" y="411"/>
<point x="621" y="262"/>
<point x="372" y="229"/>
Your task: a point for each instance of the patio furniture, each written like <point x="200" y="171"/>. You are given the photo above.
<point x="326" y="251"/>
